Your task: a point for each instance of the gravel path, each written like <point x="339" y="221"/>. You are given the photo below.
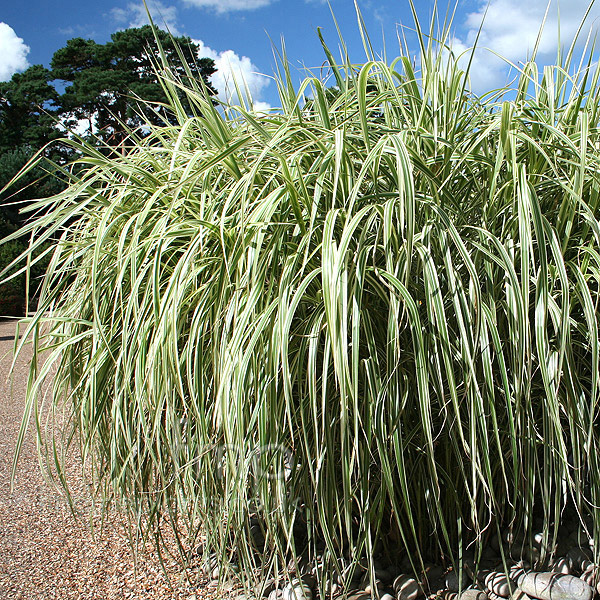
<point x="45" y="552"/>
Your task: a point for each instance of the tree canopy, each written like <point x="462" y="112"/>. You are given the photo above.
<point x="100" y="84"/>
<point x="28" y="110"/>
<point x="28" y="118"/>
<point x="105" y="81"/>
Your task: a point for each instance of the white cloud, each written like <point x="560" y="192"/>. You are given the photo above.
<point x="487" y="70"/>
<point x="231" y="70"/>
<point x="135" y="15"/>
<point x="224" y="6"/>
<point x="261" y="106"/>
<point x="13" y="52"/>
<point x="511" y="28"/>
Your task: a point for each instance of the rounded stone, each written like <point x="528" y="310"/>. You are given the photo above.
<point x="499" y="583"/>
<point x="296" y="590"/>
<point x="446" y="595"/>
<point x="517" y="572"/>
<point x="562" y="565"/>
<point x="371" y="587"/>
<point x="587" y="565"/>
<point x="332" y="588"/>
<point x="210" y="564"/>
<point x="542" y="543"/>
<point x="555" y="586"/>
<point x="591" y="576"/>
<point x="473" y="595"/>
<point x="519" y="595"/>
<point x="406" y="588"/>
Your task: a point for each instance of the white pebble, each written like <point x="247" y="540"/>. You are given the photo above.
<point x="499" y="583"/>
<point x="553" y="586"/>
<point x="296" y="590"/>
<point x="562" y="565"/>
<point x="406" y="588"/>
<point x="590" y="576"/>
<point x="473" y="595"/>
<point x="517" y="572"/>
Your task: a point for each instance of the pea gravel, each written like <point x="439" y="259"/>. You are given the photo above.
<point x="45" y="552"/>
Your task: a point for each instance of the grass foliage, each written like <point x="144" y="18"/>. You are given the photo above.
<point x="367" y="323"/>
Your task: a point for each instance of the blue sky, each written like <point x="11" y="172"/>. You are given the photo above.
<point x="236" y="32"/>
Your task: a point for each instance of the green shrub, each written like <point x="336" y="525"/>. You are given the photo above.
<point x="13" y="283"/>
<point x="389" y="295"/>
<point x="12" y="293"/>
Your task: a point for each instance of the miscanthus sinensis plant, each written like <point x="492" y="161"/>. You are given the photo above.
<point x="366" y="323"/>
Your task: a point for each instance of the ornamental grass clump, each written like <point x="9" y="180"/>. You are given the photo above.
<point x="363" y="325"/>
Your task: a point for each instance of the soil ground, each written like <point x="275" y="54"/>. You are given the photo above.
<point x="45" y="551"/>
